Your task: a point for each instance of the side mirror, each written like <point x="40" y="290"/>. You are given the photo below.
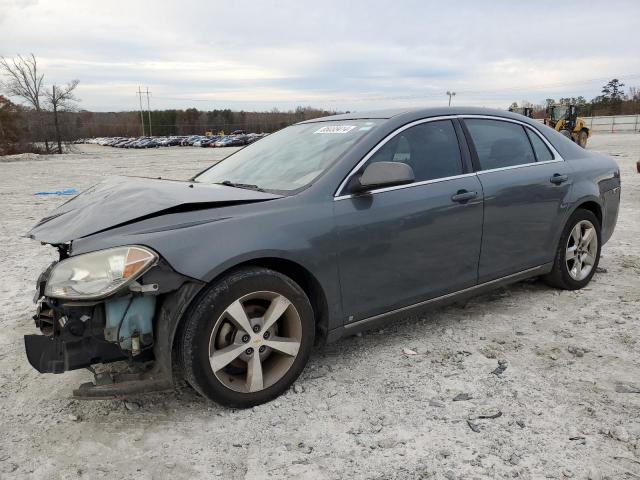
<point x="385" y="174"/>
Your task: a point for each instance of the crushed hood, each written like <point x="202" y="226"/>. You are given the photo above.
<point x="121" y="200"/>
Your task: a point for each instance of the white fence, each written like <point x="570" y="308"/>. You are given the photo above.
<point x="613" y="123"/>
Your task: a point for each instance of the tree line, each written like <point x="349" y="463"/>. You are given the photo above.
<point x="186" y="122"/>
<point x="25" y="129"/>
<point x="612" y="101"/>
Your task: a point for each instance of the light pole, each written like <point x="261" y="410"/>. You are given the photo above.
<point x="451" y="94"/>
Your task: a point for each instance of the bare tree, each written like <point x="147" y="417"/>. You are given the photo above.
<point x="60" y="99"/>
<point x="24" y="81"/>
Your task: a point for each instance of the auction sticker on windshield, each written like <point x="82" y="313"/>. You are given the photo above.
<point x="335" y="129"/>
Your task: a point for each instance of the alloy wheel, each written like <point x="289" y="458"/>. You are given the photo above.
<point x="255" y="341"/>
<point x="582" y="249"/>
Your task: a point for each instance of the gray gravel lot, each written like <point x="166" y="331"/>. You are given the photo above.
<point x="363" y="408"/>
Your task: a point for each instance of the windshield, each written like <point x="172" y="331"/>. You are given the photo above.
<point x="289" y="159"/>
<point x="558" y="112"/>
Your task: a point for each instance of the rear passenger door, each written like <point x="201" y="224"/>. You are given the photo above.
<point x="525" y="183"/>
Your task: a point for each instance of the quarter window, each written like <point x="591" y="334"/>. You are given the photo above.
<point x="430" y="149"/>
<point x="500" y="144"/>
<point x="539" y="147"/>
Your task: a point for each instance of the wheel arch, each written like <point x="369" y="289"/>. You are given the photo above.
<point x="298" y="273"/>
<point x="305" y="279"/>
<point x="591" y="205"/>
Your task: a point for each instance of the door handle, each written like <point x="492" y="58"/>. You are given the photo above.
<point x="557" y="179"/>
<point x="464" y="196"/>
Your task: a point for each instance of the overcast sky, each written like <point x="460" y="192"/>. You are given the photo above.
<point x="339" y="55"/>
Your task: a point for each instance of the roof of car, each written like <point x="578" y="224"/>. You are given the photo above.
<point x="411" y="113"/>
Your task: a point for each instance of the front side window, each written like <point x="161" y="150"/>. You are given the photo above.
<point x="430" y="149"/>
<point x="291" y="158"/>
<point x="500" y="144"/>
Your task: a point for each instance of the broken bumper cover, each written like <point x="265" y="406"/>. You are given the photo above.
<point x="76" y="343"/>
<point x="81" y="334"/>
<point x="56" y="355"/>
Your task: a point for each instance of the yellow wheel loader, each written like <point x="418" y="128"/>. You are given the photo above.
<point x="564" y="119"/>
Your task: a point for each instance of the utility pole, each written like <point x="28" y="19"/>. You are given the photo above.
<point x="149" y="111"/>
<point x="451" y="94"/>
<point x="141" y="115"/>
<point x="55" y="118"/>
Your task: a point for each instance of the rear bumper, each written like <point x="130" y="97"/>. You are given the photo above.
<point x="611" y="206"/>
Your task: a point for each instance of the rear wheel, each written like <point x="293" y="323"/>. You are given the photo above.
<point x="578" y="252"/>
<point x="582" y="138"/>
<point x="566" y="133"/>
<point x="248" y="339"/>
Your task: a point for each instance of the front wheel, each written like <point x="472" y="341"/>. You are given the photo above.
<point x="582" y="138"/>
<point x="578" y="252"/>
<point x="248" y="338"/>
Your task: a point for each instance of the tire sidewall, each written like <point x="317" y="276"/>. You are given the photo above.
<point x="203" y="317"/>
<point x="577" y="216"/>
<point x="582" y="138"/>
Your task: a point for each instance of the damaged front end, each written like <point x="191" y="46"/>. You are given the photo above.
<point x="104" y="307"/>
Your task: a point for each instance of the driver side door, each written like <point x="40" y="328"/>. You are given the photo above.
<point x="400" y="245"/>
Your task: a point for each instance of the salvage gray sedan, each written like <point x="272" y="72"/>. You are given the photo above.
<point x="320" y="230"/>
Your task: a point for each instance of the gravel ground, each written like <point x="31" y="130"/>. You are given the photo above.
<point x="365" y="407"/>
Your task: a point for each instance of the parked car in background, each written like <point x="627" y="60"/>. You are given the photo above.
<point x="232" y="141"/>
<point x="235" y="140"/>
<point x="224" y="142"/>
<point x="209" y="140"/>
<point x="321" y="230"/>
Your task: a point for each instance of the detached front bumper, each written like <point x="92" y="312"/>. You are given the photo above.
<point x="136" y="326"/>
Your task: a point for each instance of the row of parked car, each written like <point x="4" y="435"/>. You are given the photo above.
<point x="233" y="140"/>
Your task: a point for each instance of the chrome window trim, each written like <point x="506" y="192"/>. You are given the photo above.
<point x="513" y="167"/>
<point x="339" y="196"/>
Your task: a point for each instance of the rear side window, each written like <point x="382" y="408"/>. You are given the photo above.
<point x="500" y="144"/>
<point x="539" y="147"/>
<point x="430" y="149"/>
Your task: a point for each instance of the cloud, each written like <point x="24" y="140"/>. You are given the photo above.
<point x="334" y="54"/>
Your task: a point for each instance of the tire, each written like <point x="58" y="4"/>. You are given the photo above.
<point x="567" y="274"/>
<point x="582" y="138"/>
<point x="280" y="316"/>
<point x="567" y="134"/>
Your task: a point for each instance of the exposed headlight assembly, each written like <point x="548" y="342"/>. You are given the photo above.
<point x="98" y="274"/>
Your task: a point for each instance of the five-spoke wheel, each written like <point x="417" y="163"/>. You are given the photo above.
<point x="582" y="248"/>
<point x="255" y="341"/>
<point x="247" y="338"/>
<point x="578" y="252"/>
